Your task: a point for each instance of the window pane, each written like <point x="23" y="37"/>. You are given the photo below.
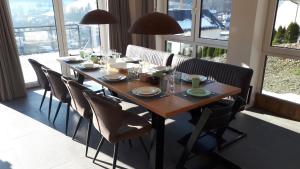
<point x="181" y="11"/>
<point x="80" y="36"/>
<point x="281" y="78"/>
<point x="179" y="48"/>
<point x="212" y="54"/>
<point x="215" y="19"/>
<point x="286" y="28"/>
<point x="35" y="32"/>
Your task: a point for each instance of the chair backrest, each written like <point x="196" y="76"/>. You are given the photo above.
<point x="58" y="88"/>
<point x="221" y="72"/>
<point x="180" y="63"/>
<point x="42" y="79"/>
<point x="80" y="104"/>
<point x="149" y="55"/>
<point x="107" y="115"/>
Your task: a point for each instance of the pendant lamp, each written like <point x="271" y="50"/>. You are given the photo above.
<point x="155" y="23"/>
<point x="98" y="17"/>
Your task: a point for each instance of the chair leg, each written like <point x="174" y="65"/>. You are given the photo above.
<point x="77" y="126"/>
<point x="45" y="92"/>
<point x="130" y="143"/>
<point x="115" y="156"/>
<point x="50" y="105"/>
<point x="98" y="148"/>
<point x="57" y="110"/>
<point x="88" y="137"/>
<point x="144" y="146"/>
<point x="67" y="118"/>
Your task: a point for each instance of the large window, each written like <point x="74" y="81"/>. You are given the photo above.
<point x="215" y="19"/>
<point x="282" y="70"/>
<point x="80" y="36"/>
<point x="48" y="29"/>
<point x="286" y="27"/>
<point x="282" y="78"/>
<point x="181" y="11"/>
<point x="206" y="25"/>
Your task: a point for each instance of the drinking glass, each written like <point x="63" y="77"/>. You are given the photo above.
<point x="177" y="77"/>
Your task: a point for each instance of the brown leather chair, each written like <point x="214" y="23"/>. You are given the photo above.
<point x="60" y="91"/>
<point x="115" y="124"/>
<point x="43" y="81"/>
<point x="81" y="105"/>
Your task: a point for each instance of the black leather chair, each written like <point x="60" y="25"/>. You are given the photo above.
<point x="213" y="120"/>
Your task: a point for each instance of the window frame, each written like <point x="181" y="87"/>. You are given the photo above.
<point x="194" y="40"/>
<point x="273" y="50"/>
<point x="268" y="49"/>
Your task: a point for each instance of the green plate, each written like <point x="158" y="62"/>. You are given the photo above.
<point x="198" y="92"/>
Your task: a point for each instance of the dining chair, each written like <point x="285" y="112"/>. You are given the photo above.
<point x="42" y="80"/>
<point x="237" y="103"/>
<point x="115" y="124"/>
<point x="59" y="91"/>
<point x="81" y="105"/>
<point x="213" y="120"/>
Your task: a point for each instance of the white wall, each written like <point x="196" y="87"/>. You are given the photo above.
<point x="245" y="47"/>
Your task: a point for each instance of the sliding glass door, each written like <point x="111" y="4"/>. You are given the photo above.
<point x="48" y="29"/>
<point x="36" y="34"/>
<point x="80" y="36"/>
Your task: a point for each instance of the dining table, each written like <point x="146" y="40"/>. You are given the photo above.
<point x="161" y="107"/>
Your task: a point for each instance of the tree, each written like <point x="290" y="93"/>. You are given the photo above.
<point x="292" y="33"/>
<point x="279" y="37"/>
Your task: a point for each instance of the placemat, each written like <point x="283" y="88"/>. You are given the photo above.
<point x="159" y="96"/>
<point x="185" y="96"/>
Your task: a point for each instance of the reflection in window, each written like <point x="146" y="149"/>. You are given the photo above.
<point x="286" y="29"/>
<point x="212" y="54"/>
<point x="281" y="78"/>
<point x="181" y="11"/>
<point x="215" y="19"/>
<point x="179" y="48"/>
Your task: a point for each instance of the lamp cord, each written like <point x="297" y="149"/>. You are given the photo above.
<point x="155" y="5"/>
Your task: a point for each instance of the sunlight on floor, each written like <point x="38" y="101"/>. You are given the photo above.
<point x="29" y="144"/>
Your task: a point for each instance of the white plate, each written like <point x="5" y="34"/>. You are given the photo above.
<point x="146" y="91"/>
<point x="90" y="66"/>
<point x="188" y="78"/>
<point x="123" y="65"/>
<point x="114" y="77"/>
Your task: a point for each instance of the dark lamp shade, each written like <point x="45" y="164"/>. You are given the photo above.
<point x="156" y="24"/>
<point x="98" y="17"/>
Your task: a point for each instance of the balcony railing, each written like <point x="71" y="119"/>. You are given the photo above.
<point x="43" y="39"/>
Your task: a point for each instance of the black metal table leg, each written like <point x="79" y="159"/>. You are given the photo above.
<point x="157" y="151"/>
<point x="80" y="78"/>
<point x="192" y="140"/>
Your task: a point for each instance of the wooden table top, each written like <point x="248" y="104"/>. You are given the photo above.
<point x="164" y="106"/>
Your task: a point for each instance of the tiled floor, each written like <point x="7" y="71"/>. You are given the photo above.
<point x="29" y="141"/>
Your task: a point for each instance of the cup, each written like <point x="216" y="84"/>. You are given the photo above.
<point x="82" y="54"/>
<point x="195" y="82"/>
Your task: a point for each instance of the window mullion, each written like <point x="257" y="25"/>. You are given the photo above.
<point x="61" y="32"/>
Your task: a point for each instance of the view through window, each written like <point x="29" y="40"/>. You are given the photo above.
<point x="282" y="71"/>
<point x="215" y="19"/>
<point x="36" y="34"/>
<point x="36" y="31"/>
<point x="212" y="22"/>
<point x="181" y="11"/>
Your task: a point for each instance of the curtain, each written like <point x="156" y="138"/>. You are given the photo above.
<point x="147" y="41"/>
<point x="144" y="7"/>
<point x="119" y="36"/>
<point x="11" y="77"/>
